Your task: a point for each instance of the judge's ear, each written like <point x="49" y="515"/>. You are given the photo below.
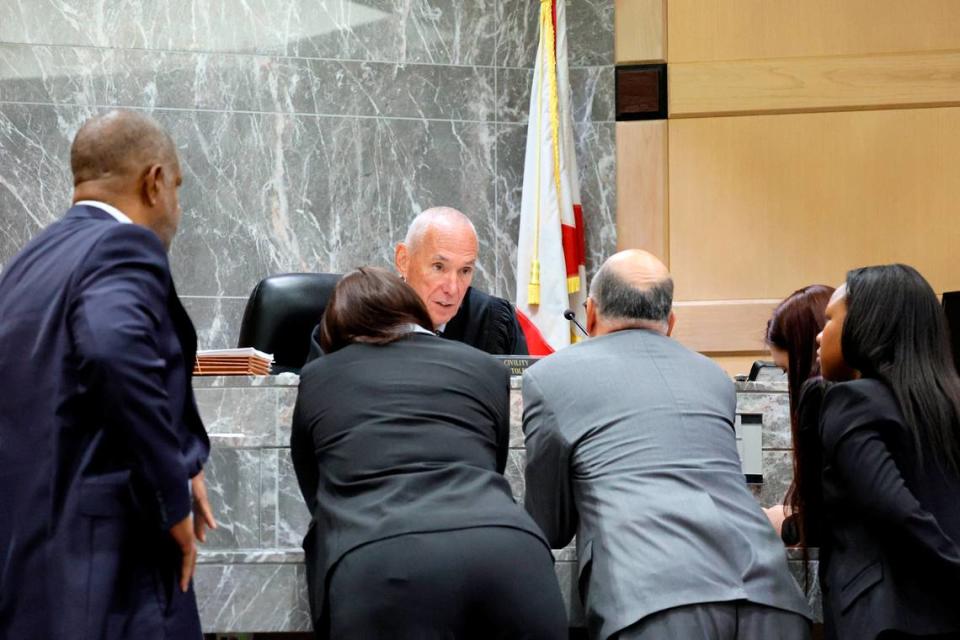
<point x="402" y="259"/>
<point x="671" y="322"/>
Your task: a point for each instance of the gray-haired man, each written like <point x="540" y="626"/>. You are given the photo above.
<point x="630" y="446"/>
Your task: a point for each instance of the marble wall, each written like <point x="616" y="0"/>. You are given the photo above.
<point x="310" y="131"/>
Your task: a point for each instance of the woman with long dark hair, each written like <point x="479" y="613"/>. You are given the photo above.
<point x="890" y="431"/>
<point x="399" y="443"/>
<point x="792" y="339"/>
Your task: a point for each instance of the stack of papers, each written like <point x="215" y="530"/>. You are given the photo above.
<point x="233" y="362"/>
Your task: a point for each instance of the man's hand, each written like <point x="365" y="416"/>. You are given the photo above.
<point x="202" y="513"/>
<point x="182" y="533"/>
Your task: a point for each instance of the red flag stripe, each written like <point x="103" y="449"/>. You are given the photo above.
<point x="571" y="249"/>
<point x="582" y="241"/>
<point x="536" y="343"/>
<point x="553" y="14"/>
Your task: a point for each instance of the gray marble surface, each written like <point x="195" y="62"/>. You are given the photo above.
<point x="250" y="575"/>
<point x="309" y="135"/>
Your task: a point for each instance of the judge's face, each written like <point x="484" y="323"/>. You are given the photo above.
<point x="829" y="341"/>
<point x="440" y="269"/>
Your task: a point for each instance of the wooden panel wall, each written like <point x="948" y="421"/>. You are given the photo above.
<point x="803" y="139"/>
<point x="762" y="205"/>
<point x="642" y="204"/>
<point x="797" y="85"/>
<point x="711" y="30"/>
<point x="642" y="187"/>
<point x="640" y="33"/>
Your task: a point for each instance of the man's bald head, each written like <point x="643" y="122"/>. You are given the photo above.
<point x="118" y="146"/>
<point x="633" y="288"/>
<point x="127" y="160"/>
<point x="446" y="220"/>
<point x="438" y="258"/>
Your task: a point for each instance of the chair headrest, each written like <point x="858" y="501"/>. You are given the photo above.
<point x="281" y="313"/>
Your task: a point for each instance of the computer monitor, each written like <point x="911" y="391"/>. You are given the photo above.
<point x="951" y="308"/>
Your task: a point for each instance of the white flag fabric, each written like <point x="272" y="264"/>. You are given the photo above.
<point x="550" y="252"/>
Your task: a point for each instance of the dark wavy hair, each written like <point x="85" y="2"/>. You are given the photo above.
<point x="793" y="327"/>
<point x="370" y="305"/>
<point x="895" y="331"/>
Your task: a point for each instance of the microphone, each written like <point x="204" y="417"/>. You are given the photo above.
<point x="572" y="317"/>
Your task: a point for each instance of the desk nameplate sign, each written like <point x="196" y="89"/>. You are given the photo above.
<point x="517" y="364"/>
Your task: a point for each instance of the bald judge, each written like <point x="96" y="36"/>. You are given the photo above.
<point x="438" y="260"/>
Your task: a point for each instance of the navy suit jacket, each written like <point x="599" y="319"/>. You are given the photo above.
<point x="99" y="435"/>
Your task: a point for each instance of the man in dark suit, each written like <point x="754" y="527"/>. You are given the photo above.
<point x="99" y="433"/>
<point x="631" y="446"/>
<point x="438" y="260"/>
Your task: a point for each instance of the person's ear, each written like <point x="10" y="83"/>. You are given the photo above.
<point x="151" y="186"/>
<point x="402" y="259"/>
<point x="591" y="317"/>
<point x="671" y="322"/>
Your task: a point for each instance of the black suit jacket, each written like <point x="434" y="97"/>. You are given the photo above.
<point x="891" y="551"/>
<point x="99" y="435"/>
<point x="403" y="438"/>
<point x="483" y="321"/>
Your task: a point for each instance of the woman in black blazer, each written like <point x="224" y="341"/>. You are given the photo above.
<point x="399" y="443"/>
<point x="890" y="555"/>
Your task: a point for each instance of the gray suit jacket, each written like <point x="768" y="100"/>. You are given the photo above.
<point x="631" y="446"/>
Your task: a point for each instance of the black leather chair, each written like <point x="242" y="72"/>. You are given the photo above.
<point x="281" y="313"/>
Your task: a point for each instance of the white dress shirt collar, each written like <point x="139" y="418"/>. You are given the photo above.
<point x="416" y="328"/>
<point x="113" y="211"/>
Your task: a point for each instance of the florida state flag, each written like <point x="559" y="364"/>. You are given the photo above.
<point x="550" y="254"/>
